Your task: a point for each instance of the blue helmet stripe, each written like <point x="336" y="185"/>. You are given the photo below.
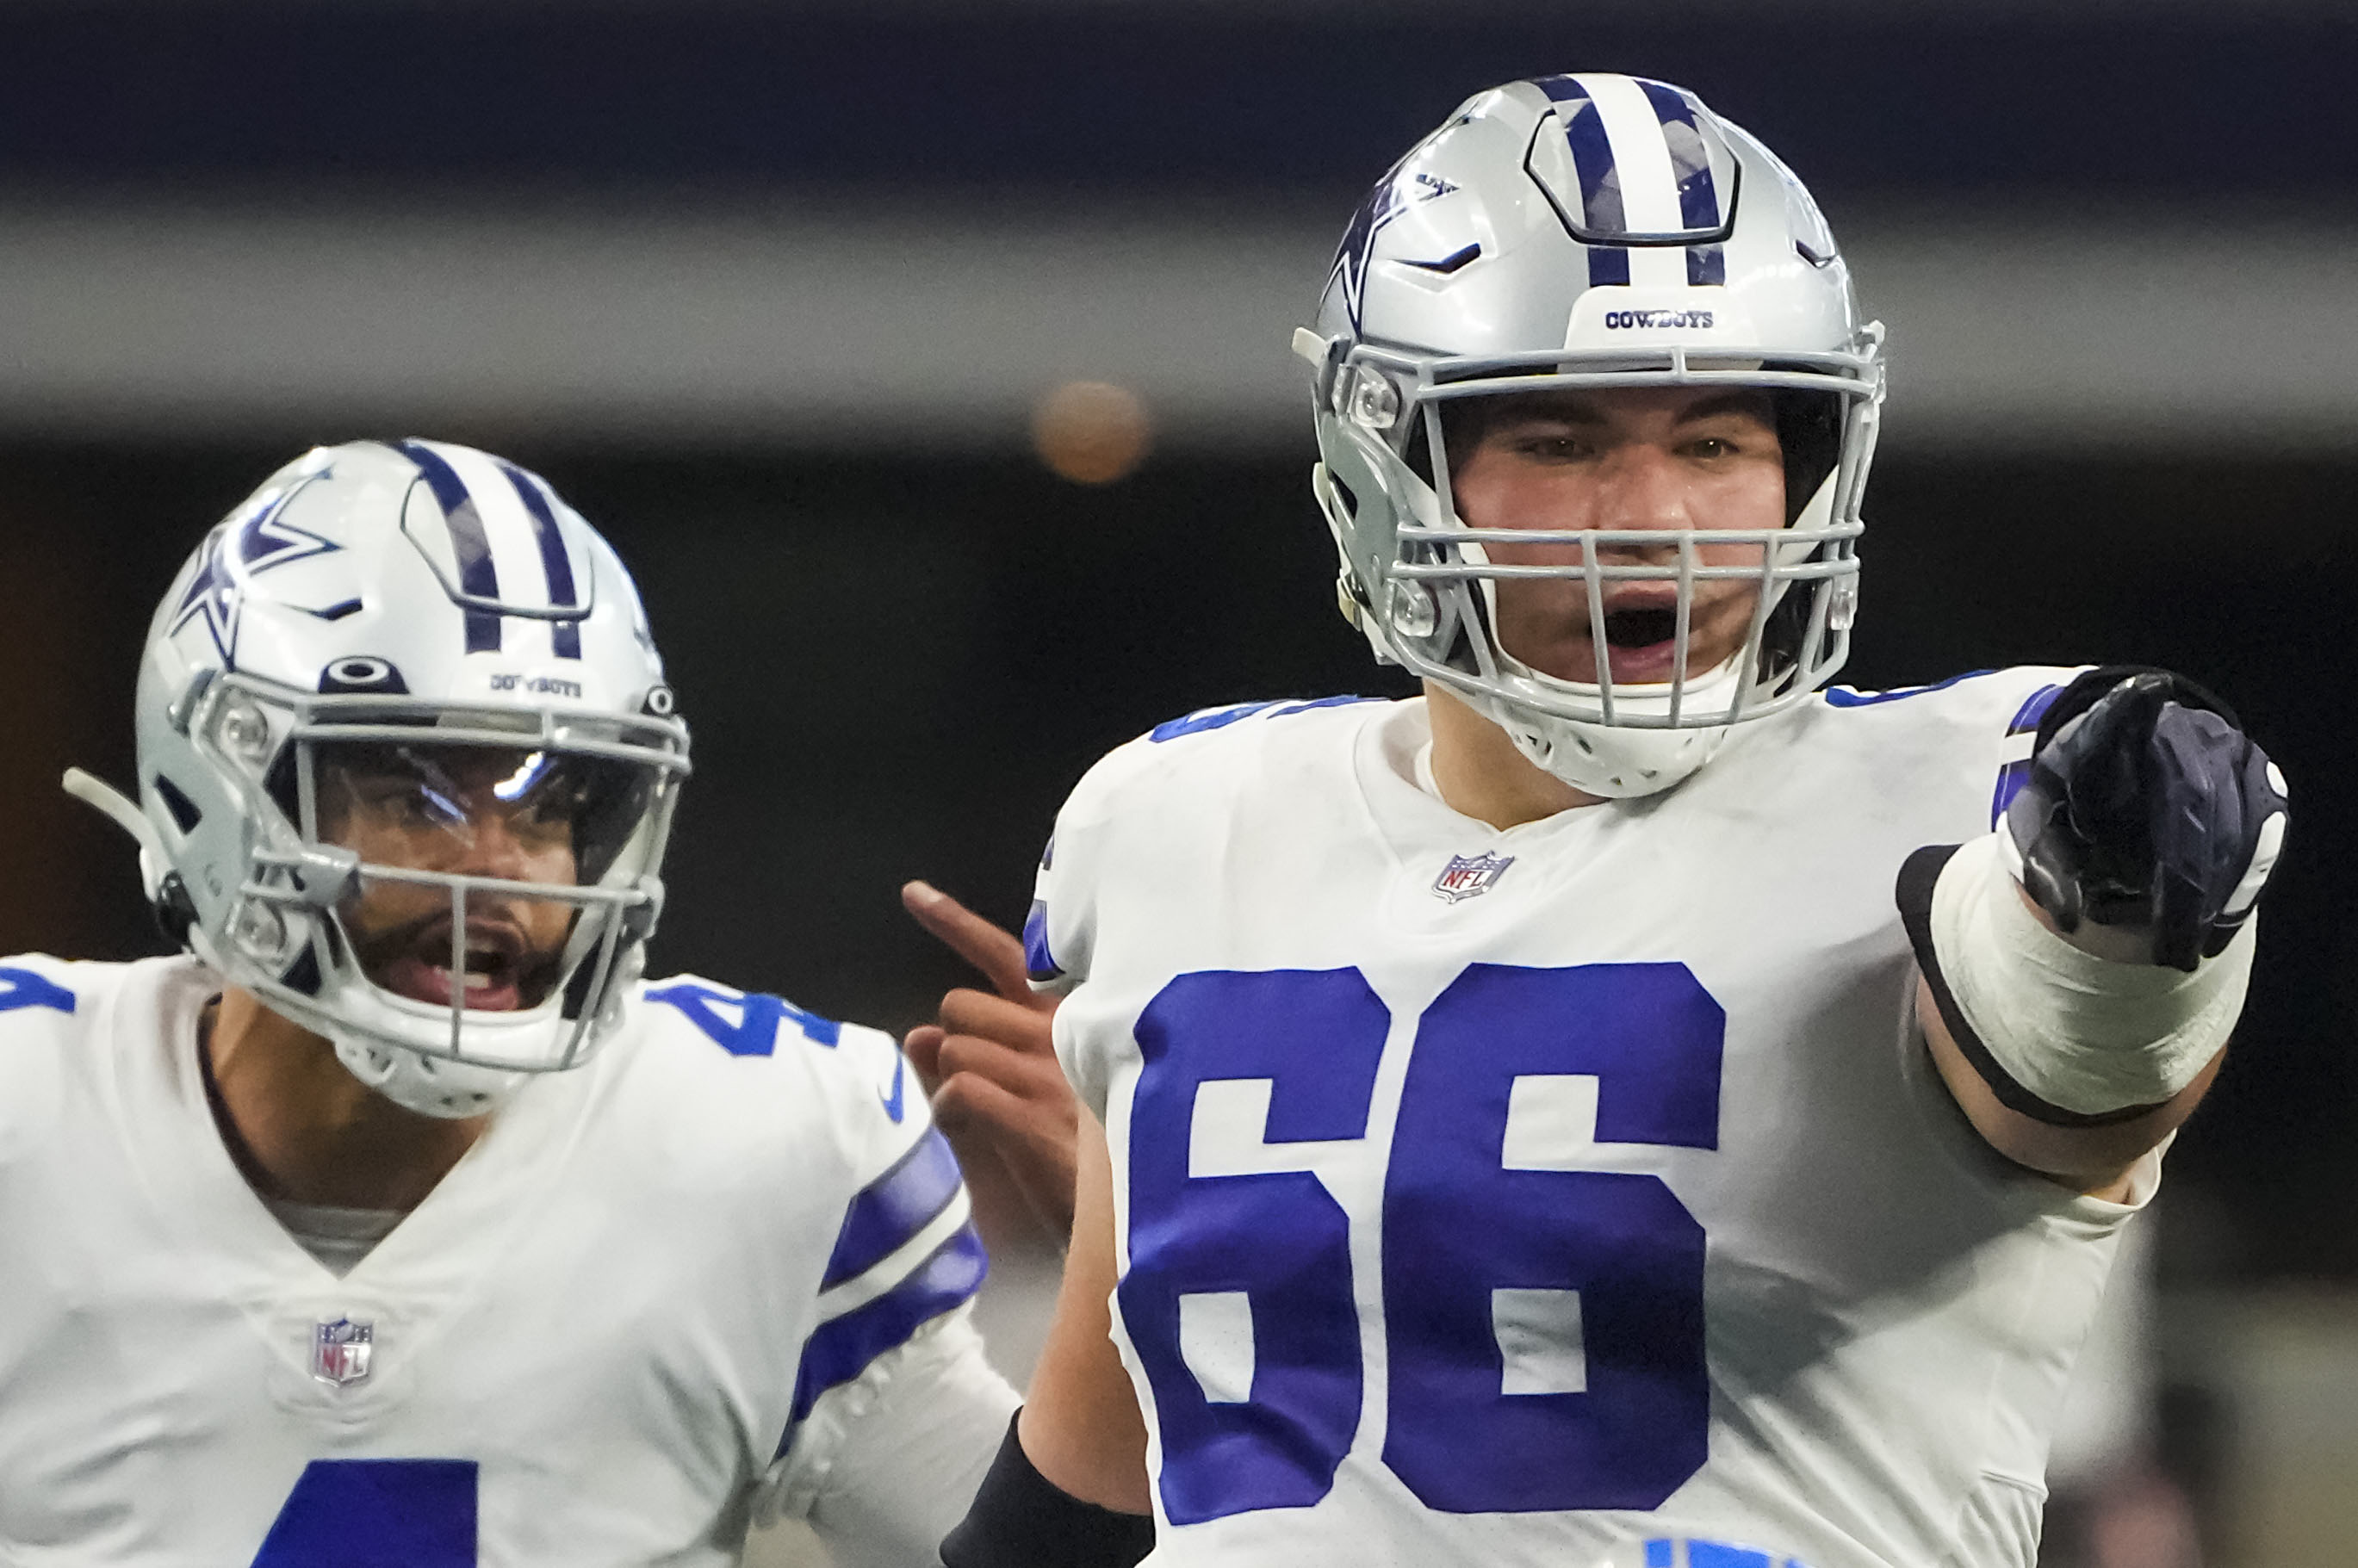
<point x="1707" y="265"/>
<point x="478" y="576"/>
<point x="1690" y="159"/>
<point x="553" y="559"/>
<point x="1592" y="155"/>
<point x="1608" y="266"/>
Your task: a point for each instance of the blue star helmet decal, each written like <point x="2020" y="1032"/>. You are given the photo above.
<point x="249" y="542"/>
<point x="1383" y="204"/>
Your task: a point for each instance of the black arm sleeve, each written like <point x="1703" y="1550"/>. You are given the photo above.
<point x="1021" y="1519"/>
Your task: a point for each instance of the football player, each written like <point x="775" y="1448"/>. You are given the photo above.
<point x="398" y="1220"/>
<point x="1523" y="1120"/>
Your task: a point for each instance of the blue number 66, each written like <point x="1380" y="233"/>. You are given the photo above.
<point x="1608" y="1265"/>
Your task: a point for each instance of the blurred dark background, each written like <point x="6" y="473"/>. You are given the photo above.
<point x="774" y="294"/>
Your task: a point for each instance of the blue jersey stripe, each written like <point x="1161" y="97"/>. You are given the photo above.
<point x="553" y="562"/>
<point x="2034" y="709"/>
<point x="479" y="575"/>
<point x="841" y="1348"/>
<point x="1843" y="696"/>
<point x="893" y="1207"/>
<point x="2015" y="775"/>
<point x="1205" y="718"/>
<point x="1039" y="963"/>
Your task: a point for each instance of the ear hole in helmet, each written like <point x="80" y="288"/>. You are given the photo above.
<point x="176" y="800"/>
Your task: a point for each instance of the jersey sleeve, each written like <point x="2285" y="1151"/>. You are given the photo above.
<point x="1060" y="935"/>
<point x="894" y="1408"/>
<point x="888" y="1462"/>
<point x="906" y="1251"/>
<point x="44" y="1005"/>
<point x="1064" y="932"/>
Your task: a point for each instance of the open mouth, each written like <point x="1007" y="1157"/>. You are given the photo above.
<point x="1640" y="627"/>
<point x="490" y="976"/>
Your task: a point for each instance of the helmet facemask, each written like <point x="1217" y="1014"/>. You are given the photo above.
<point x="1428" y="595"/>
<point x="464" y="892"/>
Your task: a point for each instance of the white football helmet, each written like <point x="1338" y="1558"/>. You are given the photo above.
<point x="1586" y="232"/>
<point x="421" y="621"/>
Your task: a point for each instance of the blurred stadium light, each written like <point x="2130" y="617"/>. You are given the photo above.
<point x="820" y="225"/>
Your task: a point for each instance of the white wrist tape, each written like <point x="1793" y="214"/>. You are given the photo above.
<point x="2083" y="1033"/>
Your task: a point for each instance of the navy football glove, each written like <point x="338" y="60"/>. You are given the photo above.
<point x="2147" y="806"/>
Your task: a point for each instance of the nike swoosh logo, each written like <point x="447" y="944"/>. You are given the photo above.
<point x="893" y="1099"/>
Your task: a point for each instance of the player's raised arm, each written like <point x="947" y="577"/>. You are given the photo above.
<point x="2084" y="964"/>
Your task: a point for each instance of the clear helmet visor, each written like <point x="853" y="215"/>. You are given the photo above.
<point x="481" y="882"/>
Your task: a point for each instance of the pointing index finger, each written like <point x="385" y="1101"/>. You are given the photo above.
<point x="989" y="947"/>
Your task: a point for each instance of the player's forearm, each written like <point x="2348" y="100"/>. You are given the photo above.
<point x="2070" y="1061"/>
<point x="2096" y="1161"/>
<point x="2084" y="963"/>
<point x="1081" y="1424"/>
<point x="1069" y="1486"/>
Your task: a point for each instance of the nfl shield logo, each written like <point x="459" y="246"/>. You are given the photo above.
<point x="339" y="1351"/>
<point x="1467" y="875"/>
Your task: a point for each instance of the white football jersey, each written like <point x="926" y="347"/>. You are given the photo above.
<point x="1495" y="1198"/>
<point x="715" y="1273"/>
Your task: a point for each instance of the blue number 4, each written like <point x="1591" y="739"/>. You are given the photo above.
<point x="754" y="1031"/>
<point x="1544" y="1326"/>
<point x="375" y="1513"/>
<point x="22" y="988"/>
